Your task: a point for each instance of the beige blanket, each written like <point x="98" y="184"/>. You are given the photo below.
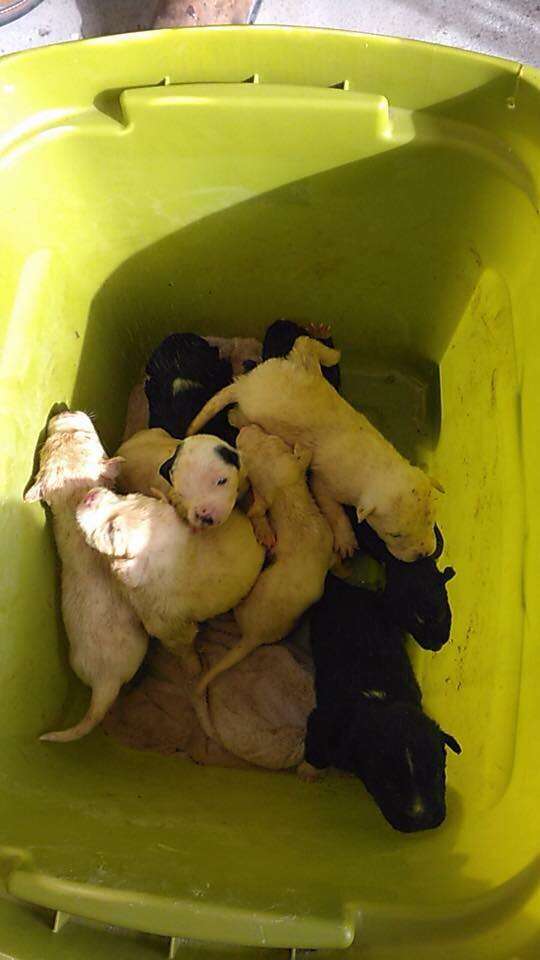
<point x="252" y="715"/>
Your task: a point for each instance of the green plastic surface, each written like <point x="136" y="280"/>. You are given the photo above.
<point x="215" y="180"/>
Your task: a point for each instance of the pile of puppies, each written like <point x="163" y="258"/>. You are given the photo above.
<point x="180" y="527"/>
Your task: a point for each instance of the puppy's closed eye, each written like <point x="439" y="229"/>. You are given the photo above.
<point x="221" y="482"/>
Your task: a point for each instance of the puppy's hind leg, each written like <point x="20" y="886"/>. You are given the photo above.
<point x="311" y="354"/>
<point x="344" y="539"/>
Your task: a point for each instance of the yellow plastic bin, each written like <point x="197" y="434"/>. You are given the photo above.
<point x="214" y="180"/>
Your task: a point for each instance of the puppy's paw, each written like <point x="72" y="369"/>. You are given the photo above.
<point x="264" y="532"/>
<point x="322" y="331"/>
<point x="115" y="539"/>
<point x="237" y="419"/>
<point x="306" y="771"/>
<point x="345" y="542"/>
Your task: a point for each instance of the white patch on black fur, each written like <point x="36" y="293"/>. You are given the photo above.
<point x="179" y="385"/>
<point x="374" y="694"/>
<point x="408" y="757"/>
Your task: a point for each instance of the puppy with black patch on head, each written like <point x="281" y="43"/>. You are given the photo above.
<point x="201" y="476"/>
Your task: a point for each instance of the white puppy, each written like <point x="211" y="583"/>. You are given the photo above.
<point x="352" y="463"/>
<point x="107" y="641"/>
<point x="303" y="553"/>
<point x="201" y="476"/>
<point x="175" y="578"/>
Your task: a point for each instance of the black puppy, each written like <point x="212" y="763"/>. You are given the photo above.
<point x="369" y="719"/>
<point x="280" y="339"/>
<point x="415" y="593"/>
<point x="182" y="374"/>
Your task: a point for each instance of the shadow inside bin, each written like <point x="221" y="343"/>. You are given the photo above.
<point x="235" y="271"/>
<point x="384" y="248"/>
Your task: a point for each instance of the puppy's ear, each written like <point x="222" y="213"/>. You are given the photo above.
<point x="364" y="510"/>
<point x="112" y="466"/>
<point x="451" y="742"/>
<point x="166" y="467"/>
<point x="303" y="455"/>
<point x="35" y="492"/>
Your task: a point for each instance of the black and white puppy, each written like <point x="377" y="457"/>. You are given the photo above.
<point x="183" y="372"/>
<point x="201" y="476"/>
<point x="369" y="719"/>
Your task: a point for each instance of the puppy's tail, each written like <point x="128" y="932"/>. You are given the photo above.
<point x="312" y="354"/>
<point x="216" y="403"/>
<point x="102" y="698"/>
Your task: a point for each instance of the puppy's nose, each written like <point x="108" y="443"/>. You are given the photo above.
<point x="205" y="518"/>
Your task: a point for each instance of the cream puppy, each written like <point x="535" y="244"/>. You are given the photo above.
<point x="352" y="463"/>
<point x="202" y="476"/>
<point x="303" y="552"/>
<point x="174" y="578"/>
<point x="107" y="641"/>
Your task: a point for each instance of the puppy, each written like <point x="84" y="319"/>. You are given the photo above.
<point x="282" y="335"/>
<point x="415" y="594"/>
<point x="243" y="353"/>
<point x="107" y="641"/>
<point x="173" y="577"/>
<point x="352" y="463"/>
<point x="181" y="375"/>
<point x="369" y="719"/>
<point x="303" y="551"/>
<point x="202" y="476"/>
<point x="183" y="372"/>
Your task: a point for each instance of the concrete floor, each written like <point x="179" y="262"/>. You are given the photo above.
<point x="508" y="28"/>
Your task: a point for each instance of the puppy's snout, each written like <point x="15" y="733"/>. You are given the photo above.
<point x="205" y="519"/>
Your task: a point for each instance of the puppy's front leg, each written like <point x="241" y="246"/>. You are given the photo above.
<point x="344" y="539"/>
<point x="262" y="528"/>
